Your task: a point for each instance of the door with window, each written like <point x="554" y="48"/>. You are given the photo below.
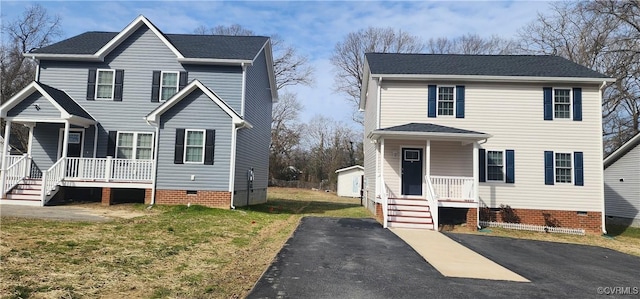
<point x="411" y="171"/>
<point x="74" y="150"/>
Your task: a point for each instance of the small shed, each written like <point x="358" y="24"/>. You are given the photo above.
<point x="622" y="184"/>
<point x="350" y="181"/>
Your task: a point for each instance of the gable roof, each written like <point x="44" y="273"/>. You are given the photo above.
<point x="94" y="45"/>
<point x="621" y="151"/>
<point x="478" y="65"/>
<point x="433" y="131"/>
<point x="68" y="107"/>
<point x="154" y="116"/>
<point x="350" y="168"/>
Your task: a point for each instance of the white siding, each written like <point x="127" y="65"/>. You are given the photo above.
<point x="513" y="114"/>
<point x="623" y="198"/>
<point x="371" y="112"/>
<point x="349" y="183"/>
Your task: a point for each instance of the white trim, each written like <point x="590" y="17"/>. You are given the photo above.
<point x="154" y="116"/>
<point x="244" y="87"/>
<point x="134" y="146"/>
<point x="154" y="183"/>
<point x="137" y="185"/>
<point x="65" y="57"/>
<point x="434" y="135"/>
<point x="571" y="169"/>
<point x="204" y="143"/>
<point x="61" y="137"/>
<point x="379" y="102"/>
<point x="272" y="77"/>
<point x="455" y="98"/>
<point x="232" y="164"/>
<point x="113" y="84"/>
<point x="480" y="78"/>
<point x="621" y="151"/>
<point x="553" y="104"/>
<point x="162" y="80"/>
<point x="216" y="61"/>
<point x="349" y="168"/>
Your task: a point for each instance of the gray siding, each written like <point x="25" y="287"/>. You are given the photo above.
<point x="138" y="56"/>
<point x="26" y="109"/>
<point x="196" y="111"/>
<point x="44" y="150"/>
<point x="622" y="199"/>
<point x="253" y="144"/>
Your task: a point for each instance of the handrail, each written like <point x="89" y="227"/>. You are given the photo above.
<point x="52" y="177"/>
<point x="15" y="173"/>
<point x="432" y="198"/>
<point x="109" y="169"/>
<point x="385" y="205"/>
<point x="453" y="187"/>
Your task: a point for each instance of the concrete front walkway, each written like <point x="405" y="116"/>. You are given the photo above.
<point x="452" y="259"/>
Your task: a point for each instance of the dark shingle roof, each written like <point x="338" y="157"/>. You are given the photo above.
<point x="66" y="102"/>
<point x="190" y="45"/>
<point x="478" y="65"/>
<point x="427" y="128"/>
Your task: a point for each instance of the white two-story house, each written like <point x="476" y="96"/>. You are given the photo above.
<point x="461" y="134"/>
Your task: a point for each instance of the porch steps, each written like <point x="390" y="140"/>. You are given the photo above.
<point x="409" y="213"/>
<point x="26" y="193"/>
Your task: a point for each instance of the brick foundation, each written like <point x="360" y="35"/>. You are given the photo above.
<point x="589" y="221"/>
<point x="379" y="215"/>
<point x="214" y="199"/>
<point x="147" y="196"/>
<point x="472" y="218"/>
<point x="106" y="196"/>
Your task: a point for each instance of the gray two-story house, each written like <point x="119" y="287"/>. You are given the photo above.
<point x="186" y="118"/>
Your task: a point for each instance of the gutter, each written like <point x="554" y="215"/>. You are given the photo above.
<point x="602" y="213"/>
<point x="156" y="142"/>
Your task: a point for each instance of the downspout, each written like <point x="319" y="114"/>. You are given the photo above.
<point x="379" y="102"/>
<point x="95" y="140"/>
<point x="37" y="78"/>
<point x="244" y="84"/>
<point x="232" y="170"/>
<point x="156" y="142"/>
<point x="602" y="213"/>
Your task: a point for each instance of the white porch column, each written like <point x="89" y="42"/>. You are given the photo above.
<point x="476" y="179"/>
<point x="29" y="147"/>
<point x="382" y="186"/>
<point x="428" y="159"/>
<point x="65" y="139"/>
<point x="5" y="154"/>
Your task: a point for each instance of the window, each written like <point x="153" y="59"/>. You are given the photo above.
<point x="563" y="167"/>
<point x="562" y="103"/>
<point x="104" y="84"/>
<point x="495" y="162"/>
<point x="411" y="155"/>
<point x="168" y="85"/>
<point x="446" y="100"/>
<point x="194" y="146"/>
<point x="133" y="145"/>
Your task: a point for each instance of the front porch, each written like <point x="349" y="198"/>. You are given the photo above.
<point x="422" y="167"/>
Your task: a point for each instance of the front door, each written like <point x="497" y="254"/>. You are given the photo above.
<point x="75" y="144"/>
<point x="412" y="171"/>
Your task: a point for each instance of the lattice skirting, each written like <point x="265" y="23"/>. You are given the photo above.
<point x="536" y="228"/>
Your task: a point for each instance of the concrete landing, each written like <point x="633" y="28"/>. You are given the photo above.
<point x="453" y="259"/>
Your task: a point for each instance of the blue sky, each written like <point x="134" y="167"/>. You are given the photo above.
<point x="312" y="27"/>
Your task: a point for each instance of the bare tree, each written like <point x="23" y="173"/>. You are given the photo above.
<point x="602" y="35"/>
<point x="285" y="136"/>
<point x="348" y="57"/>
<point x="289" y="66"/>
<point x="35" y="28"/>
<point x="471" y="43"/>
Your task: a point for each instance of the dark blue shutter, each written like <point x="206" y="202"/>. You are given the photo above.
<point x="155" y="87"/>
<point x="209" y="146"/>
<point x="184" y="79"/>
<point x="548" y="103"/>
<point x="117" y="94"/>
<point x="111" y="144"/>
<point x="579" y="168"/>
<point x="577" y="104"/>
<point x="482" y="155"/>
<point x="178" y="155"/>
<point x="549" y="177"/>
<point x="91" y="85"/>
<point x="460" y="101"/>
<point x="510" y="177"/>
<point x="431" y="101"/>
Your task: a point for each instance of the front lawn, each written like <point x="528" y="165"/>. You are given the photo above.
<point x="171" y="251"/>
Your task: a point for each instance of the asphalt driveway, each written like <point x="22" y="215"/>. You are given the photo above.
<point x="356" y="258"/>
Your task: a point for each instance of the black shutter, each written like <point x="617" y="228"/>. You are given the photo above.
<point x="549" y="176"/>
<point x="548" y="102"/>
<point x="91" y="85"/>
<point x="483" y="165"/>
<point x="579" y="168"/>
<point x="117" y="95"/>
<point x="155" y="87"/>
<point x="431" y="101"/>
<point x="111" y="143"/>
<point x="460" y="101"/>
<point x="184" y="78"/>
<point x="178" y="157"/>
<point x="510" y="157"/>
<point x="577" y="104"/>
<point x="209" y="147"/>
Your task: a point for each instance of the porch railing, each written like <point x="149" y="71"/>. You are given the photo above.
<point x="109" y="169"/>
<point x="450" y="187"/>
<point x="432" y="198"/>
<point x="16" y="172"/>
<point x="51" y="178"/>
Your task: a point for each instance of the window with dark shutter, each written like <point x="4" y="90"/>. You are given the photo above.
<point x="483" y="165"/>
<point x="209" y="147"/>
<point x="91" y="85"/>
<point x="510" y="157"/>
<point x="548" y="102"/>
<point x="178" y="157"/>
<point x="111" y="143"/>
<point x="431" y="101"/>
<point x="578" y="168"/>
<point x="184" y="79"/>
<point x="549" y="175"/>
<point x="117" y="94"/>
<point x="155" y="87"/>
<point x="460" y="101"/>
<point x="577" y="104"/>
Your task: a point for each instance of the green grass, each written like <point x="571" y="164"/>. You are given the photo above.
<point x="623" y="231"/>
<point x="170" y="252"/>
